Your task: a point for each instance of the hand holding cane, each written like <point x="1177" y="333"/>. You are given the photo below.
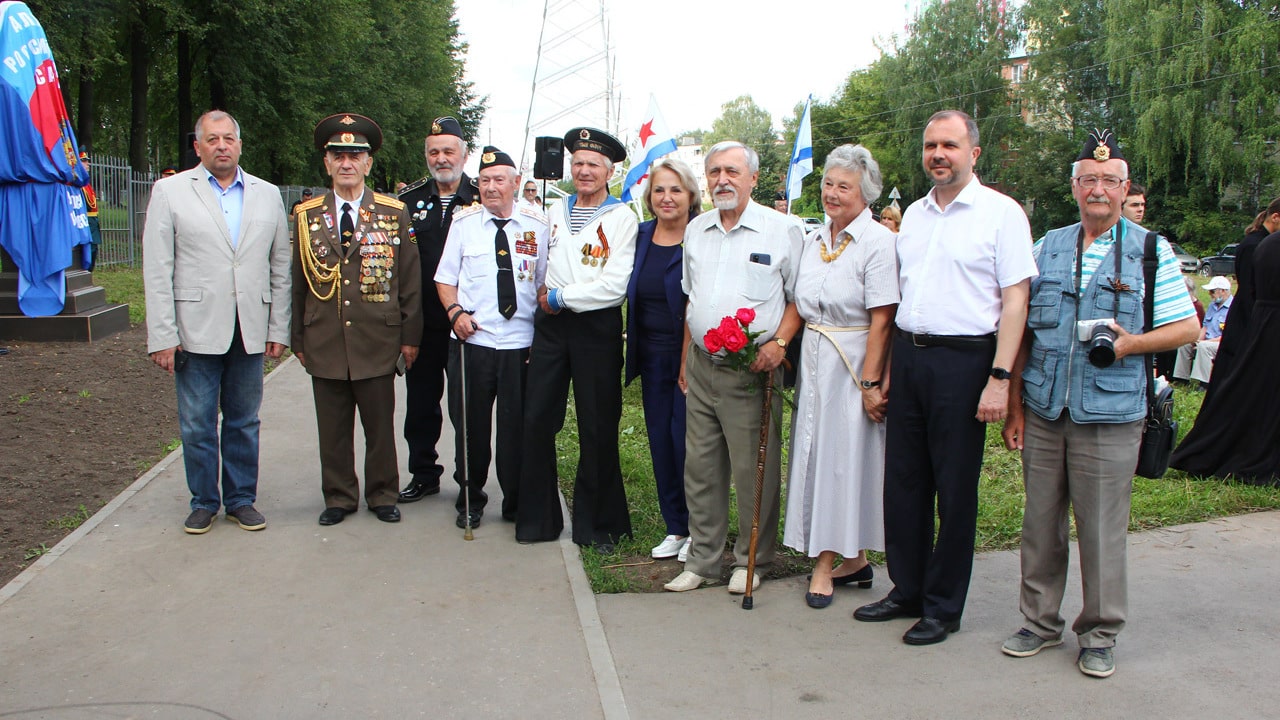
<point x="747" y="600"/>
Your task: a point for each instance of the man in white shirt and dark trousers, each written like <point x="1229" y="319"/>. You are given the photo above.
<point x="965" y="267"/>
<point x="578" y="337"/>
<point x="488" y="276"/>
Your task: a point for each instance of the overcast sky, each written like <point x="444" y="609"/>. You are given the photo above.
<point x="692" y="55"/>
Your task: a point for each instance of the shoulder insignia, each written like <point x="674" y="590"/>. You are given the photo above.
<point x="467" y="211"/>
<point x="314" y="202"/>
<point x="532" y="213"/>
<point x="388" y="200"/>
<point x="415" y="185"/>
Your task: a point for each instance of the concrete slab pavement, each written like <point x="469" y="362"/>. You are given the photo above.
<point x="130" y="617"/>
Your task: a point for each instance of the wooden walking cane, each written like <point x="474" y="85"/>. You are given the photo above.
<point x="747" y="601"/>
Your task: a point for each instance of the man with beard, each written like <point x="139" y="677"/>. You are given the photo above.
<point x="578" y="337"/>
<point x="738" y="258"/>
<point x="965" y="267"/>
<point x="431" y="203"/>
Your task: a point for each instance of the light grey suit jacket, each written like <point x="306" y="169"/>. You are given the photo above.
<point x="197" y="284"/>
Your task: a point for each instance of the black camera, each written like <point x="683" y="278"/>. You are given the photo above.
<point x="1100" y="338"/>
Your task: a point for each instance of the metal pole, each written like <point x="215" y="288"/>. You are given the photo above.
<point x="466" y="478"/>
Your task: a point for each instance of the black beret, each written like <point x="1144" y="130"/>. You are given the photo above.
<point x="492" y="156"/>
<point x="585" y="138"/>
<point x="446" y="126"/>
<point x="1101" y="145"/>
<point x="348" y="132"/>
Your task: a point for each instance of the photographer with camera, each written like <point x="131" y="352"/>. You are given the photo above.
<point x="1080" y="372"/>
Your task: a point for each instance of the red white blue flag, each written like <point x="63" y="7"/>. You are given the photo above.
<point x="655" y="141"/>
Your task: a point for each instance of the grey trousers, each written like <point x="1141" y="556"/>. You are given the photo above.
<point x="1090" y="467"/>
<point x="722" y="443"/>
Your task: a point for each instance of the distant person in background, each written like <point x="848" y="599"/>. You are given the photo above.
<point x="655" y="339"/>
<point x="1238" y="320"/>
<point x="1195" y="360"/>
<point x="891" y="218"/>
<point x="91" y="210"/>
<point x="1135" y="204"/>
<point x="780" y="202"/>
<point x="306" y="195"/>
<point x="529" y="196"/>
<point x="168" y="171"/>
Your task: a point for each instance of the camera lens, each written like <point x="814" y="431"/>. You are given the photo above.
<point x="1102" y="346"/>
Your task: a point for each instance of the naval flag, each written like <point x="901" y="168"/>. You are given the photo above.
<point x="655" y="141"/>
<point x="801" y="156"/>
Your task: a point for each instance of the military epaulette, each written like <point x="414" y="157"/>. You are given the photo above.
<point x="533" y="213"/>
<point x="467" y="211"/>
<point x="314" y="202"/>
<point x="388" y="200"/>
<point x="415" y="185"/>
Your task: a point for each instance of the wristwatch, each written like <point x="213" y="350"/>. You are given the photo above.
<point x="1000" y="373"/>
<point x="781" y="343"/>
<point x="868" y="384"/>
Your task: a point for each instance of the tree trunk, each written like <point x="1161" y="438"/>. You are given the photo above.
<point x="84" y="109"/>
<point x="139" y="69"/>
<point x="185" y="119"/>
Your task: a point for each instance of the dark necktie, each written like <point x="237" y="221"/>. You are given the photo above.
<point x="347" y="225"/>
<point x="506" y="278"/>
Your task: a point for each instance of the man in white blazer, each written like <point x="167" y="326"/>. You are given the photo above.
<point x="216" y="264"/>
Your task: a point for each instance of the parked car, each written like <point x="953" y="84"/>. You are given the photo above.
<point x="811" y="224"/>
<point x="1224" y="263"/>
<point x="1190" y="263"/>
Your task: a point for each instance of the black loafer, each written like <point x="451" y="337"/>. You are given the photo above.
<point x="928" y="631"/>
<point x="333" y="516"/>
<point x="818" y="600"/>
<point x="886" y="609"/>
<point x="419" y="488"/>
<point x="387" y="513"/>
<point x="863" y="577"/>
<point x="475" y="519"/>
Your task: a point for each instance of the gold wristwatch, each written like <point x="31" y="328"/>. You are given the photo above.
<point x="781" y="343"/>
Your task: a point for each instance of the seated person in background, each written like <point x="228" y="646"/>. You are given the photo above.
<point x="1166" y="360"/>
<point x="1195" y="360"/>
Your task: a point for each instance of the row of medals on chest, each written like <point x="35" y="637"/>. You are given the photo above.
<point x="377" y="253"/>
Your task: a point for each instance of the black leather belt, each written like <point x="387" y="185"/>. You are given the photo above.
<point x="958" y="342"/>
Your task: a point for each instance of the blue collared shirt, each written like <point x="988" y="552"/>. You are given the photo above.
<point x="231" y="200"/>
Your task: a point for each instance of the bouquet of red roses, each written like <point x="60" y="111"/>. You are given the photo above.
<point x="734" y="335"/>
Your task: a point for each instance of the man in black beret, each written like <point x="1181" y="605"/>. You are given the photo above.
<point x="1081" y="438"/>
<point x="357" y="314"/>
<point x="431" y="203"/>
<point x="578" y="339"/>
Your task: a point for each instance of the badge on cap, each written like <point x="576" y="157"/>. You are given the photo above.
<point x="585" y="134"/>
<point x="488" y="158"/>
<point x="436" y="129"/>
<point x="347" y="120"/>
<point x="1102" y="153"/>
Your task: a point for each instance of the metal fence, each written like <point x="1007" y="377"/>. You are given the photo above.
<point x="123" y="194"/>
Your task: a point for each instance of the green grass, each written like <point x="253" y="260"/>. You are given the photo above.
<point x="1172" y="500"/>
<point x="71" y="520"/>
<point x="124" y="285"/>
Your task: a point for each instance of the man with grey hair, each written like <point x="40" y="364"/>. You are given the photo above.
<point x="492" y="266"/>
<point x="578" y="338"/>
<point x="1081" y="439"/>
<point x="432" y="202"/>
<point x="740" y="261"/>
<point x="216" y="266"/>
<point x="964" y="258"/>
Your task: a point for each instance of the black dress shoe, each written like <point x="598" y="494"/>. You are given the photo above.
<point x="862" y="577"/>
<point x="475" y="519"/>
<point x="886" y="609"/>
<point x="818" y="600"/>
<point x="333" y="516"/>
<point x="419" y="488"/>
<point x="387" y="513"/>
<point x="928" y="631"/>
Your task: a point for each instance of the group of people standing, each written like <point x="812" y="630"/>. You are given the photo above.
<point x="913" y="343"/>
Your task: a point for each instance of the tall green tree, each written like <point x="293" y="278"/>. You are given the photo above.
<point x="743" y="120"/>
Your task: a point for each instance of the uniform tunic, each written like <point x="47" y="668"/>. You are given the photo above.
<point x="835" y="497"/>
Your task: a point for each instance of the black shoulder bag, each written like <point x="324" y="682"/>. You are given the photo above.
<point x="1161" y="430"/>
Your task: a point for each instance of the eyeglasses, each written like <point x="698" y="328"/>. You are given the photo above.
<point x="531" y="190"/>
<point x="1108" y="182"/>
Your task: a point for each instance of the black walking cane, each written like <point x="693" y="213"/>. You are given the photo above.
<point x="466" y="454"/>
<point x="747" y="601"/>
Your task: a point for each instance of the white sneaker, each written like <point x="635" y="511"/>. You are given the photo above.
<point x="685" y="581"/>
<point x="683" y="555"/>
<point x="668" y="548"/>
<point x="738" y="581"/>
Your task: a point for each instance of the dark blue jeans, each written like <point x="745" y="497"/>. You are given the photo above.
<point x="233" y="381"/>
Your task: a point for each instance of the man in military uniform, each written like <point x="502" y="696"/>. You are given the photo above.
<point x="431" y="203"/>
<point x="578" y="337"/>
<point x="357" y="313"/>
<point x="489" y="275"/>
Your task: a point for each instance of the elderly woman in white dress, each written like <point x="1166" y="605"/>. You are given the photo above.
<point x="847" y="294"/>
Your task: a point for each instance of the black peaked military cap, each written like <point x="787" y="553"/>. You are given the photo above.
<point x="348" y="132"/>
<point x="585" y="138"/>
<point x="492" y="156"/>
<point x="446" y="126"/>
<point x="1101" y="145"/>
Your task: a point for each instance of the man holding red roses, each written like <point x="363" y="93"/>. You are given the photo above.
<point x="740" y="264"/>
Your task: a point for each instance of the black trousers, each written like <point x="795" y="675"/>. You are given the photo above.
<point x="933" y="453"/>
<point x="491" y="375"/>
<point x="585" y="348"/>
<point x="424" y="387"/>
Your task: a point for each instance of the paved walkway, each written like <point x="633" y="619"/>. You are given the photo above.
<point x="129" y="617"/>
